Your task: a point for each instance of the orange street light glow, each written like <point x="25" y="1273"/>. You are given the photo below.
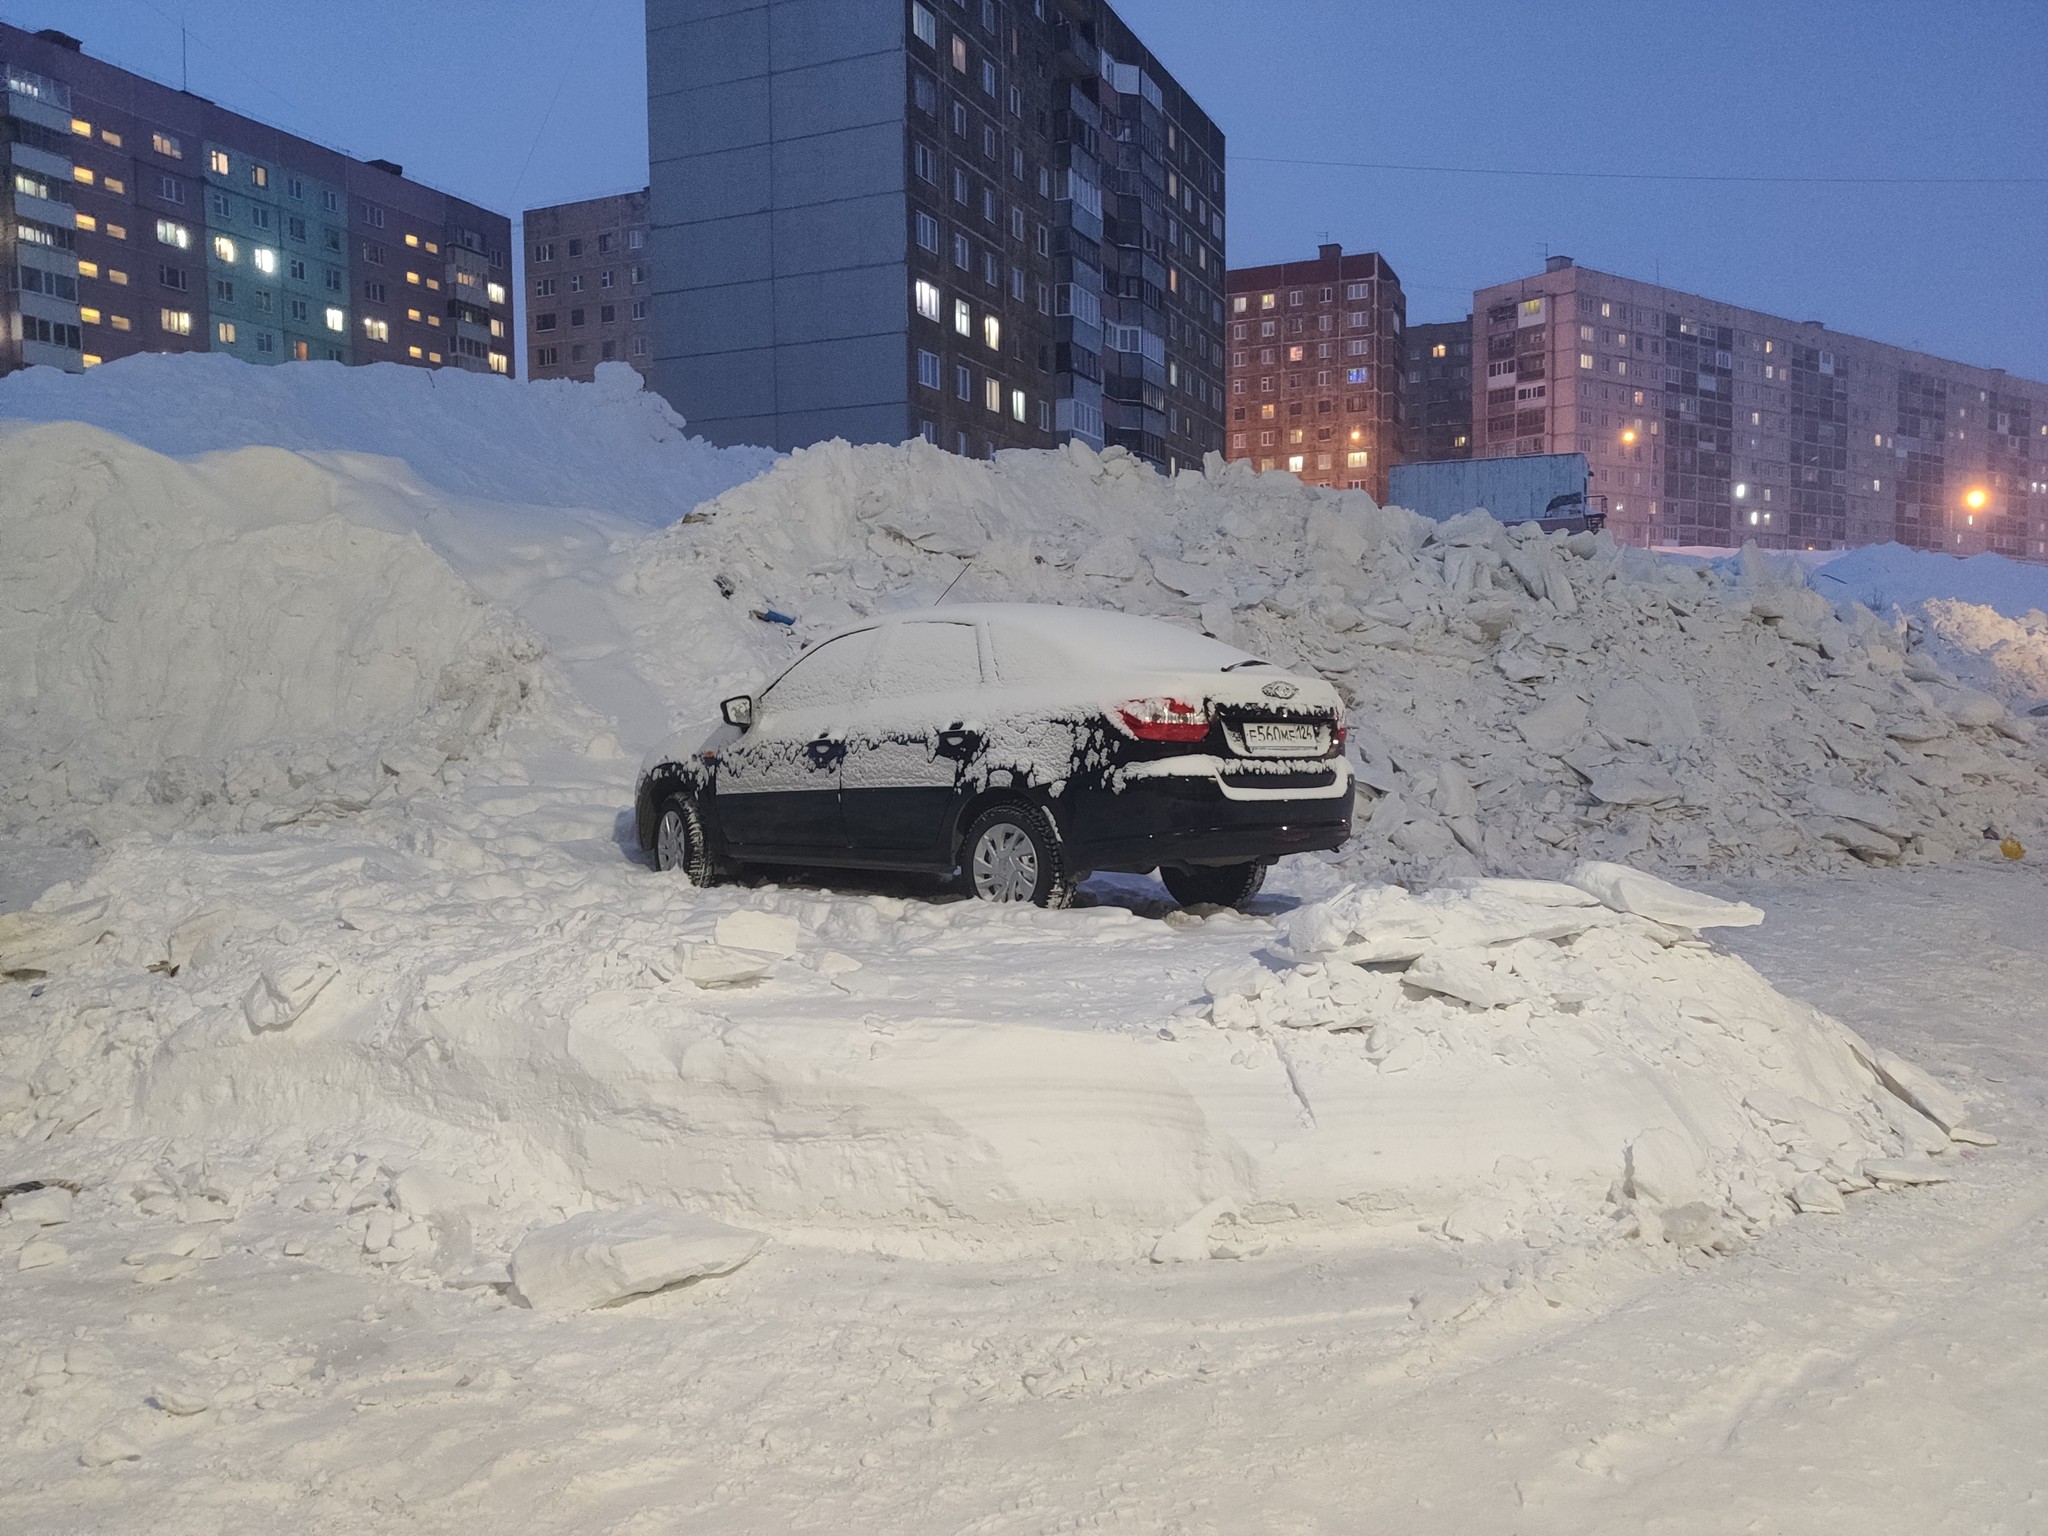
<point x="1629" y="436"/>
<point x="1975" y="499"/>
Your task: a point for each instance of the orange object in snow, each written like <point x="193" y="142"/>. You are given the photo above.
<point x="2012" y="848"/>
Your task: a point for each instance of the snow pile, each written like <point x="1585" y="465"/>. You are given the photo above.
<point x="1487" y="1049"/>
<point x="1887" y="576"/>
<point x="1518" y="703"/>
<point x="500" y="1032"/>
<point x="223" y="643"/>
<point x="610" y="445"/>
<point x="1970" y="644"/>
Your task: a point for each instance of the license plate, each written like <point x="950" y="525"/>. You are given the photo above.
<point x="1281" y="738"/>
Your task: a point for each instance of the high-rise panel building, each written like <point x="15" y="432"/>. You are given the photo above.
<point x="1709" y="424"/>
<point x="994" y="223"/>
<point x="138" y="218"/>
<point x="586" y="286"/>
<point x="1316" y="354"/>
<point x="1436" y="394"/>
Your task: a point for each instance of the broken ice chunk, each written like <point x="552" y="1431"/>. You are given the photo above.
<point x="1632" y="891"/>
<point x="603" y="1257"/>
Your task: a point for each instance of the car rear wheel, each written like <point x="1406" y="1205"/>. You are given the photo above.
<point x="1214" y="885"/>
<point x="1013" y="853"/>
<point x="679" y="842"/>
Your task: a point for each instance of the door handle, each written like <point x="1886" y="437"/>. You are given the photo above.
<point x="954" y="740"/>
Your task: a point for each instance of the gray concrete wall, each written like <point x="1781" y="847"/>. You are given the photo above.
<point x="779" y="224"/>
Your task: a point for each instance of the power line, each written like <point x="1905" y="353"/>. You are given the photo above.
<point x="1688" y="176"/>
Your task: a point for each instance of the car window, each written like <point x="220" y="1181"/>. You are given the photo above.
<point x="925" y="658"/>
<point x="1022" y="657"/>
<point x="828" y="675"/>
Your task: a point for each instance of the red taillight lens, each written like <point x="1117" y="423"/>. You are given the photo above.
<point x="1338" y="737"/>
<point x="1164" y="720"/>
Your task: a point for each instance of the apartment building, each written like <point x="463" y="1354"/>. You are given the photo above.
<point x="138" y="218"/>
<point x="1436" y="394"/>
<point x="1316" y="355"/>
<point x="994" y="223"/>
<point x="1709" y="424"/>
<point x="587" y="282"/>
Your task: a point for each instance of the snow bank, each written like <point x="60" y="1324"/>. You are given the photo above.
<point x="1517" y="703"/>
<point x="219" y="642"/>
<point x="610" y="445"/>
<point x="1885" y="576"/>
<point x="1511" y="1059"/>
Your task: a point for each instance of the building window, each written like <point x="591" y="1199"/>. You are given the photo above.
<point x="604" y="278"/>
<point x="606" y="313"/>
<point x="373" y="215"/>
<point x="545" y="251"/>
<point x="217" y="161"/>
<point x="224" y="290"/>
<point x="265" y="261"/>
<point x="928" y="299"/>
<point x="337" y="321"/>
<point x="960" y="53"/>
<point x="169" y="233"/>
<point x="575" y="318"/>
<point x="171" y="277"/>
<point x="928" y="232"/>
<point x="928" y="369"/>
<point x="176" y="321"/>
<point x="167" y="146"/>
<point x="963" y="382"/>
<point x="992" y="332"/>
<point x="544" y="288"/>
<point x="1586" y="361"/>
<point x="331" y="278"/>
<point x="924" y="162"/>
<point x="639" y="309"/>
<point x="576" y="282"/>
<point x="1018" y="405"/>
<point x="225" y="330"/>
<point x="546" y="357"/>
<point x="1358" y="459"/>
<point x="218" y="202"/>
<point x="924" y="26"/>
<point x="992" y="395"/>
<point x="963" y="317"/>
<point x="374" y="292"/>
<point x="1296" y="462"/>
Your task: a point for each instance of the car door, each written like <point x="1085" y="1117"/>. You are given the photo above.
<point x="904" y="760"/>
<point x="778" y="785"/>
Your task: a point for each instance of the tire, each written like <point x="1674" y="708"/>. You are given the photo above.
<point x="679" y="842"/>
<point x="1013" y="853"/>
<point x="1214" y="885"/>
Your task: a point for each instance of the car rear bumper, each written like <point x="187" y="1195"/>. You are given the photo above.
<point x="1205" y="818"/>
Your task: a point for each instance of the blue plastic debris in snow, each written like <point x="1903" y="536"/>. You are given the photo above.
<point x="770" y="616"/>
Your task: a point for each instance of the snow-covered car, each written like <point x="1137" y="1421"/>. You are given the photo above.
<point x="1028" y="745"/>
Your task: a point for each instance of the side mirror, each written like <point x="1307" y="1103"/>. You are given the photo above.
<point x="738" y="710"/>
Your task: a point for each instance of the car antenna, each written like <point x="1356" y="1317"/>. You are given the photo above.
<point x="969" y="561"/>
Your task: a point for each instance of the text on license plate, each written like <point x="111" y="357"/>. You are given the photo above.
<point x="1276" y="736"/>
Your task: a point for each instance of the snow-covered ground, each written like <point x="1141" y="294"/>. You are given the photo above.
<point x="344" y="987"/>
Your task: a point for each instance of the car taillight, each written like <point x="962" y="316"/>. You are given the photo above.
<point x="1338" y="736"/>
<point x="1164" y="720"/>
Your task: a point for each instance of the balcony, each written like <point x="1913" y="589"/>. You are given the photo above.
<point x="1073" y="54"/>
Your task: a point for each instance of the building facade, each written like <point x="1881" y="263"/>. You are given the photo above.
<point x="992" y="223"/>
<point x="138" y="218"/>
<point x="1707" y="424"/>
<point x="1436" y="395"/>
<point x="586" y="279"/>
<point x="1316" y="355"/>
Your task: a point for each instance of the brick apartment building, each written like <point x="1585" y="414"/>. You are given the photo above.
<point x="1436" y="395"/>
<point x="1709" y="424"/>
<point x="587" y="283"/>
<point x="1317" y="350"/>
<point x="994" y="223"/>
<point x="138" y="218"/>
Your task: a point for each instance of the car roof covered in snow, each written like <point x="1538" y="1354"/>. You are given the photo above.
<point x="1090" y="638"/>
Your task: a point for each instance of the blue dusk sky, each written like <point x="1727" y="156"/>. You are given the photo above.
<point x="1879" y="165"/>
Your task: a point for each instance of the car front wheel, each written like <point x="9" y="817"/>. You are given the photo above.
<point x="679" y="842"/>
<point x="1214" y="885"/>
<point x="1013" y="853"/>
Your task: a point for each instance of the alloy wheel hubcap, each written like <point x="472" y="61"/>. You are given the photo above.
<point x="1005" y="865"/>
<point x="671" y="841"/>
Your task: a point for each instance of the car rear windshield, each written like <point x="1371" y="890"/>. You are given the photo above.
<point x="1095" y="644"/>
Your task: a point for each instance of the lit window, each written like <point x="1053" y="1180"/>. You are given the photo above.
<point x="117" y="232"/>
<point x="1358" y="376"/>
<point x="81" y="127"/>
<point x="121" y="322"/>
<point x="376" y="330"/>
<point x="224" y="248"/>
<point x="925" y="25"/>
<point x="88" y="269"/>
<point x="336" y="320"/>
<point x="411" y="239"/>
<point x="82" y="174"/>
<point x="992" y="332"/>
<point x="1017" y="405"/>
<point x="217" y="161"/>
<point x="226" y="332"/>
<point x="495" y="292"/>
<point x="1358" y="460"/>
<point x="1296" y="462"/>
<point x="170" y="233"/>
<point x="114" y="184"/>
<point x="93" y="359"/>
<point x="1586" y="361"/>
<point x="177" y="321"/>
<point x="86" y="222"/>
<point x="963" y="317"/>
<point x="416" y="352"/>
<point x="1532" y="306"/>
<point x="960" y="53"/>
<point x="433" y="357"/>
<point x="89" y="316"/>
<point x="412" y="277"/>
<point x="265" y="260"/>
<point x="164" y="144"/>
<point x="993" y="395"/>
<point x="413" y="315"/>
